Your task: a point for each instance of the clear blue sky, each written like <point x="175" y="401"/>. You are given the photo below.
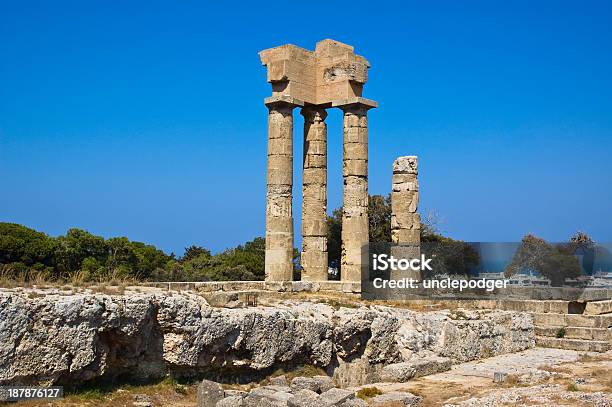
<point x="146" y="120"/>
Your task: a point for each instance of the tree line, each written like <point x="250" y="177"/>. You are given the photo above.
<point x="30" y="254"/>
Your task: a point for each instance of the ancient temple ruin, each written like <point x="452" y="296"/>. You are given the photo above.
<point x="331" y="76"/>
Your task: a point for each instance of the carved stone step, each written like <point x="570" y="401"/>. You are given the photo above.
<point x="575" y="332"/>
<point x="575" y="320"/>
<point x="598" y="307"/>
<point x="573" y="344"/>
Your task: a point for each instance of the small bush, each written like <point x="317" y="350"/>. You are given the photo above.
<point x="560" y="333"/>
<point x="368" y="392"/>
<point x="572" y="387"/>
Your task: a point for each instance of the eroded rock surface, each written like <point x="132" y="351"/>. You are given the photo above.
<point x="48" y="339"/>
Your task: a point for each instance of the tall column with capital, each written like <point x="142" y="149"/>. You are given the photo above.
<point x="314" y="206"/>
<point x="279" y="217"/>
<point x="355" y="191"/>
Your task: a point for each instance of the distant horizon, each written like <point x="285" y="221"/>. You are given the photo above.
<point x="147" y="121"/>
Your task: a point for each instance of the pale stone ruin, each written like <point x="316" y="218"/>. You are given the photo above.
<point x="331" y="76"/>
<point x="405" y="221"/>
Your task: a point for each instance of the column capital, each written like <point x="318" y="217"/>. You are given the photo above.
<point x="282" y="101"/>
<point x="356" y="103"/>
<point x="314" y="114"/>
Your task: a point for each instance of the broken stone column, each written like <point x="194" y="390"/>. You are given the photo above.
<point x="405" y="221"/>
<point x="314" y="189"/>
<point x="279" y="218"/>
<point x="355" y="192"/>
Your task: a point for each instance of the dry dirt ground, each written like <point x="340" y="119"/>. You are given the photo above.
<point x="535" y="377"/>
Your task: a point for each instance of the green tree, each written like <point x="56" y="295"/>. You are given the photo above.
<point x="148" y="259"/>
<point x="334" y="238"/>
<point x="244" y="262"/>
<point x="193" y="251"/>
<point x="20" y="244"/>
<point x="582" y="244"/>
<point x="379" y="218"/>
<point x="379" y="224"/>
<point x="554" y="262"/>
<point x="75" y="246"/>
<point x="121" y="255"/>
<point x="452" y="256"/>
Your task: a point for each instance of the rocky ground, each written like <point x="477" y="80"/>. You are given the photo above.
<point x="535" y="377"/>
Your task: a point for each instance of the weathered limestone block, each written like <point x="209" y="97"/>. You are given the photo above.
<point x="355" y="167"/>
<point x="304" y="398"/>
<point x="404" y="371"/>
<point x="315" y="161"/>
<point x="265" y="396"/>
<point x="332" y="72"/>
<point x="314" y="190"/>
<point x="279" y="218"/>
<point x="354" y="403"/>
<point x="406" y="165"/>
<point x="395" y="399"/>
<point x="317" y="384"/>
<point x="209" y="393"/>
<point x="355" y="194"/>
<point x="335" y="396"/>
<point x="230" y="401"/>
<point x="314" y="175"/>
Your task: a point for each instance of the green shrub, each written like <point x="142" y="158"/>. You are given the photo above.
<point x="368" y="392"/>
<point x="560" y="333"/>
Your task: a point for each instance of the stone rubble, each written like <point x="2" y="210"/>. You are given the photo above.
<point x="395" y="399"/>
<point x="539" y="395"/>
<point x="300" y="397"/>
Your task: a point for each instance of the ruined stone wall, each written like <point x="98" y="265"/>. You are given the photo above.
<point x="73" y="339"/>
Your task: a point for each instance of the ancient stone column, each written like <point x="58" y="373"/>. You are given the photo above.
<point x="405" y="221"/>
<point x="279" y="218"/>
<point x="355" y="192"/>
<point x="314" y="206"/>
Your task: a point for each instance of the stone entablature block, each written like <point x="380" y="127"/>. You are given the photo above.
<point x="332" y="74"/>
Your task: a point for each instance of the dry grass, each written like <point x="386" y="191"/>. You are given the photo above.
<point x="603" y="377"/>
<point x="111" y="283"/>
<point x="300" y="371"/>
<point x="572" y="387"/>
<point x="512" y="380"/>
<point x="437" y="394"/>
<point x="167" y="392"/>
<point x="586" y="357"/>
<point x="557" y="369"/>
